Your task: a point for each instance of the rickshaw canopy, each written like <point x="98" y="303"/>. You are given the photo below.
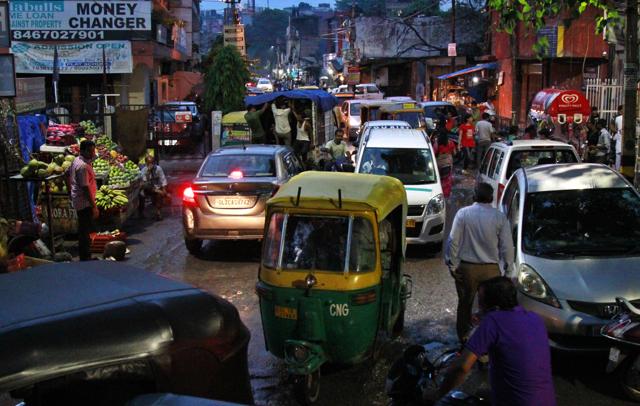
<point x="560" y="105"/>
<point x="234" y="117"/>
<point x="359" y="192"/>
<point x="324" y="100"/>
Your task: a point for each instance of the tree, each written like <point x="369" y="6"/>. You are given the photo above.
<point x="225" y="80"/>
<point x="363" y="7"/>
<point x="216" y="46"/>
<point x="269" y="28"/>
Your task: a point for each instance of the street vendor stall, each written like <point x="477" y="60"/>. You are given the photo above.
<point x="562" y="113"/>
<point x="319" y="105"/>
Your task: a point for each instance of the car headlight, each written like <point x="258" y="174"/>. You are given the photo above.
<point x="436" y="204"/>
<point x="532" y="285"/>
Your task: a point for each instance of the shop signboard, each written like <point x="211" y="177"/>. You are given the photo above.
<point x="76" y="58"/>
<point x="5" y="41"/>
<point x="353" y="75"/>
<point x="7" y="76"/>
<point x="30" y="94"/>
<point x="73" y="20"/>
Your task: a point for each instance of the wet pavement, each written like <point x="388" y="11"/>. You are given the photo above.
<point x="230" y="269"/>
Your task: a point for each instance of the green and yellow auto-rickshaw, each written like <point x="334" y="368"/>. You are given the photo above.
<point x="331" y="285"/>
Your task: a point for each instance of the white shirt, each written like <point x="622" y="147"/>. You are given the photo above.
<point x="480" y="234"/>
<point x="281" y="116"/>
<point x="605" y="139"/>
<point x="302" y="134"/>
<point x="619" y="123"/>
<point x="484" y="129"/>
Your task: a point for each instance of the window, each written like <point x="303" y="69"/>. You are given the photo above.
<point x="292" y="164"/>
<point x="494" y="163"/>
<point x="587" y="222"/>
<point x="486" y="160"/>
<point x="372" y="89"/>
<point x="508" y="194"/>
<point x="410" y="166"/>
<point x="354" y="109"/>
<point x="247" y="165"/>
<point x="531" y="157"/>
<point x="415" y="119"/>
<point x="320" y="243"/>
<point x="498" y="166"/>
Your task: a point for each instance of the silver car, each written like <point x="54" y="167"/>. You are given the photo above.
<point x="226" y="200"/>
<point x="576" y="229"/>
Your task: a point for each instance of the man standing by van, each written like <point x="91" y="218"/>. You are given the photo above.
<point x="480" y="247"/>
<point x="484" y="136"/>
<point x="281" y="112"/>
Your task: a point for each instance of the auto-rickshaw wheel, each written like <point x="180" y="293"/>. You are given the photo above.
<point x="398" y="325"/>
<point x="307" y="388"/>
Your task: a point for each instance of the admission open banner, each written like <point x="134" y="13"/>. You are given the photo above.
<point x="78" y="58"/>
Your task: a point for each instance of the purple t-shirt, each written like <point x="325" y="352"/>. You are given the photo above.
<point x="519" y="357"/>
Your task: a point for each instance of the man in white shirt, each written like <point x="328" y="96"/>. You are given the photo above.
<point x="484" y="137"/>
<point x="281" y="112"/>
<point x="618" y="137"/>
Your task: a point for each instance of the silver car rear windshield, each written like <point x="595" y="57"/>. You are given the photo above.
<point x="589" y="222"/>
<point x="240" y="165"/>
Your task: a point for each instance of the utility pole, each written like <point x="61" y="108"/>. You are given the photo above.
<point x="630" y="90"/>
<point x="453" y="33"/>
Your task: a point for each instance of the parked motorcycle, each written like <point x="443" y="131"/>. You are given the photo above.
<point x="624" y="355"/>
<point x="414" y="374"/>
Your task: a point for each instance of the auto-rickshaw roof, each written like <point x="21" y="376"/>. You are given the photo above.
<point x="324" y="100"/>
<point x="234" y="117"/>
<point x="319" y="190"/>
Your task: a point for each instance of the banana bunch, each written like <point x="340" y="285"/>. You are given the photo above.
<point x="107" y="198"/>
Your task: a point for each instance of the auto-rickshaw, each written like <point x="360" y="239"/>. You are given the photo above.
<point x="330" y="284"/>
<point x="410" y="112"/>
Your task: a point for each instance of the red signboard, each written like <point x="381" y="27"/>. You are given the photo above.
<point x="183" y="116"/>
<point x="561" y="105"/>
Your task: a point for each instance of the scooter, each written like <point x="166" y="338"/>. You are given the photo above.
<point x="624" y="354"/>
<point x="413" y="374"/>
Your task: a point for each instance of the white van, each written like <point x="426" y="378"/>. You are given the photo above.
<point x="406" y="154"/>
<point x="504" y="158"/>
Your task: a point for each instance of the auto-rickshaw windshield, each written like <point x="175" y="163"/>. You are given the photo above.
<point x="323" y="243"/>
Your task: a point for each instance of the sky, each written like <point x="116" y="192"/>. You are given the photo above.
<point x="218" y="5"/>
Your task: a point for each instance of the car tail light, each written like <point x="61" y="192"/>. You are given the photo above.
<point x="188" y="196"/>
<point x="364" y="298"/>
<point x="500" y="190"/>
<point x="236" y="174"/>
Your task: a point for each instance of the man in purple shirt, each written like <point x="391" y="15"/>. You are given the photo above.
<point x="518" y="348"/>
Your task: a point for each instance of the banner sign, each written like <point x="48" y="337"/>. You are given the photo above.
<point x="5" y="42"/>
<point x="68" y="20"/>
<point x="78" y="58"/>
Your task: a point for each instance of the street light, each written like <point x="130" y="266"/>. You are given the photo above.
<point x="475" y="80"/>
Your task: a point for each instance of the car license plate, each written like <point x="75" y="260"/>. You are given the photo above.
<point x="169" y="142"/>
<point x="234" y="202"/>
<point x="286" y="312"/>
<point x="614" y="354"/>
<point x="411" y="223"/>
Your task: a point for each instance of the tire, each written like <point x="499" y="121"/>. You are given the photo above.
<point x="629" y="378"/>
<point x="398" y="326"/>
<point x="307" y="388"/>
<point x="193" y="245"/>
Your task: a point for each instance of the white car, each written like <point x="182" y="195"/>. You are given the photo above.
<point x="368" y="91"/>
<point x="369" y="125"/>
<point x="576" y="232"/>
<point x="406" y="154"/>
<point x="504" y="158"/>
<point x="265" y="85"/>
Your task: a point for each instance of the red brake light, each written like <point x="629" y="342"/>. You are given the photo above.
<point x="500" y="190"/>
<point x="236" y="174"/>
<point x="188" y="196"/>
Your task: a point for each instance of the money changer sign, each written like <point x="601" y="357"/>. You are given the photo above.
<point x="68" y="20"/>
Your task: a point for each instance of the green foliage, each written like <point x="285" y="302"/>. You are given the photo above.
<point x="363" y="7"/>
<point x="536" y="12"/>
<point x="268" y="28"/>
<point x="216" y="46"/>
<point x="224" y="81"/>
